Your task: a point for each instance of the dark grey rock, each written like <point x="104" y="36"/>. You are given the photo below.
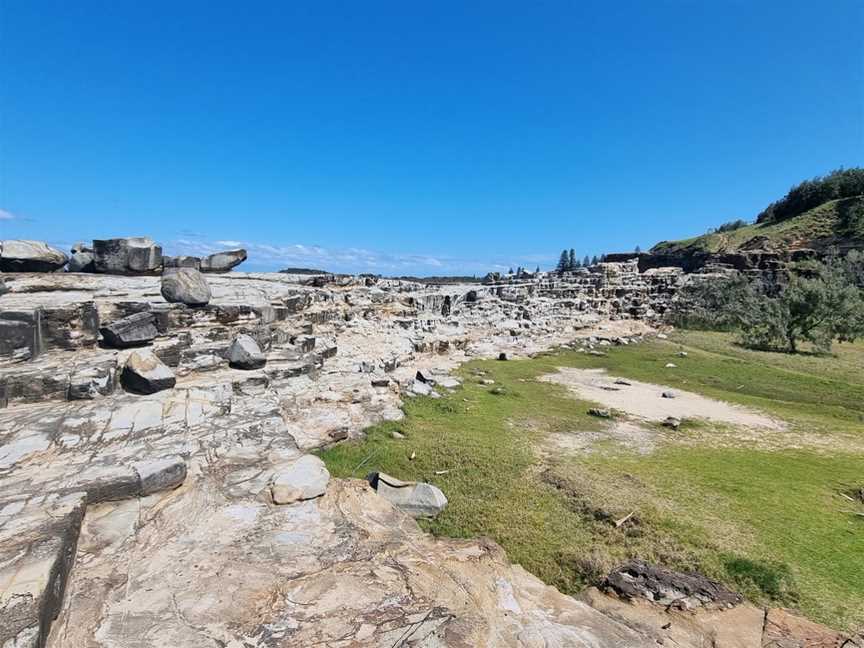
<point x="639" y="580"/>
<point x="600" y="412"/>
<point x="244" y="353"/>
<point x="21" y="334"/>
<point x="418" y="499"/>
<point x="3" y="288"/>
<point x="185" y="286"/>
<point x="30" y="256"/>
<point x="223" y="261"/>
<point x="91" y="382"/>
<point x="81" y="262"/>
<point x="668" y="394"/>
<point x="144" y="373"/>
<point x="160" y="474"/>
<point x="127" y="256"/>
<point x="134" y="330"/>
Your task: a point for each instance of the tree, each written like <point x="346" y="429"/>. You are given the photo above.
<point x="571" y="260"/>
<point x="819" y="303"/>
<point x="595" y="260"/>
<point x="563" y="261"/>
<point x="638" y="250"/>
<point x="511" y="270"/>
<point x="586" y="261"/>
<point x="537" y="271"/>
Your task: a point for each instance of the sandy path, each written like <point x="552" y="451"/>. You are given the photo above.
<point x="645" y="400"/>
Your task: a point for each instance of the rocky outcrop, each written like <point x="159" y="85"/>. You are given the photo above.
<point x="30" y="256"/>
<point x="185" y="286"/>
<point x="302" y="479"/>
<point x="127" y="256"/>
<point x="223" y="261"/>
<point x="145" y="373"/>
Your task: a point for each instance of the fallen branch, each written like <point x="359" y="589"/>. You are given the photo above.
<point x="622" y="521"/>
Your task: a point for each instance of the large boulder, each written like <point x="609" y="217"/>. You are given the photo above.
<point x="418" y="499"/>
<point x="185" y="286"/>
<point x="223" y="261"/>
<point x="145" y="373"/>
<point x="244" y="353"/>
<point x="303" y="479"/>
<point x="30" y="256"/>
<point x="127" y="256"/>
<point x="134" y="330"/>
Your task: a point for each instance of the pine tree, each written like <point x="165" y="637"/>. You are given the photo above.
<point x="563" y="262"/>
<point x="638" y="250"/>
<point x="602" y="258"/>
<point x="537" y="271"/>
<point x="586" y="261"/>
<point x="571" y="260"/>
<point x="595" y="260"/>
<point x="511" y="271"/>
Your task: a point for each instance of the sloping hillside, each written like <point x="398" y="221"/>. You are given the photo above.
<point x="836" y="223"/>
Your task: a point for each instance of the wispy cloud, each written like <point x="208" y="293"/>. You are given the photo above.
<point x="268" y="256"/>
<point x="6" y="215"/>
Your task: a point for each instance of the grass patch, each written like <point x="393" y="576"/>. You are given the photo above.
<point x="771" y="524"/>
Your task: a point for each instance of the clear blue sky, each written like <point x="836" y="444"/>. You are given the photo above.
<point x="417" y="137"/>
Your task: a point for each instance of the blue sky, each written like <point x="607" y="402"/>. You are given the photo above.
<point x="407" y="137"/>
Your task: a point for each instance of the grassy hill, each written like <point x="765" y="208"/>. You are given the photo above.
<point x="835" y="223"/>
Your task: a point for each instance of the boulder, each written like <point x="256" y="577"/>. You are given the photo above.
<point x="144" y="373"/>
<point x="181" y="262"/>
<point x="185" y="286"/>
<point x="600" y="412"/>
<point x="303" y="479"/>
<point x="157" y="475"/>
<point x="668" y="394"/>
<point x="223" y="261"/>
<point x="244" y="353"/>
<point x="30" y="256"/>
<point x="81" y="262"/>
<point x="80" y="246"/>
<point x="127" y="256"/>
<point x="134" y="330"/>
<point x="3" y="288"/>
<point x="418" y="499"/>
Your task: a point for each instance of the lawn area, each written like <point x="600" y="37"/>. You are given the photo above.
<point x="770" y="523"/>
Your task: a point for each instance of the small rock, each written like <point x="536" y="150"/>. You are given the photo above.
<point x="244" y="353"/>
<point x="682" y="354"/>
<point x="134" y="330"/>
<point x="158" y="475"/>
<point x="672" y="422"/>
<point x="597" y="353"/>
<point x="397" y="435"/>
<point x="420" y="388"/>
<point x="498" y="391"/>
<point x="487" y="381"/>
<point x="81" y="262"/>
<point x="339" y="434"/>
<point x="418" y="499"/>
<point x="502" y="356"/>
<point x="185" y="286"/>
<point x="662" y="336"/>
<point x="380" y="382"/>
<point x="303" y="479"/>
<point x="671" y="365"/>
<point x="448" y="383"/>
<point x="668" y="394"/>
<point x="600" y="412"/>
<point x="621" y="381"/>
<point x="144" y="373"/>
<point x="422" y="378"/>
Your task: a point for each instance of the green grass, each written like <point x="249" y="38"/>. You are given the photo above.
<point x="768" y="522"/>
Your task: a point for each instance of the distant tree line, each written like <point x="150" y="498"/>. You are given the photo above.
<point x="568" y="261"/>
<point x="816" y="302"/>
<point x="842" y="183"/>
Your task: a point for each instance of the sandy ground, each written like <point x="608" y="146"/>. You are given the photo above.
<point x="645" y="400"/>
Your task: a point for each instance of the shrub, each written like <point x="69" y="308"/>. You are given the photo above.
<point x="842" y="183"/>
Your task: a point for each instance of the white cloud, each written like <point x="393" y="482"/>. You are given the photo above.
<point x="6" y="215"/>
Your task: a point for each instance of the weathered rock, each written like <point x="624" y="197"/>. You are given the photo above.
<point x="144" y="373"/>
<point x="668" y="394"/>
<point x="127" y="256"/>
<point x="157" y="475"/>
<point x="303" y="479"/>
<point x="3" y="287"/>
<point x="637" y="579"/>
<point x="502" y="356"/>
<point x="786" y="630"/>
<point x="672" y="422"/>
<point x="181" y="262"/>
<point x="185" y="286"/>
<point x="223" y="261"/>
<point x="600" y="412"/>
<point x="92" y="382"/>
<point x="244" y="353"/>
<point x="81" y="262"/>
<point x="30" y="256"/>
<point x="418" y="499"/>
<point x="135" y="330"/>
